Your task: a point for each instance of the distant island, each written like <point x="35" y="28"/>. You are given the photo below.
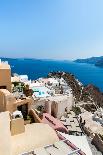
<point x="97" y="61"/>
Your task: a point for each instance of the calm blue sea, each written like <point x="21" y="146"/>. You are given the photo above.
<point x="86" y="73"/>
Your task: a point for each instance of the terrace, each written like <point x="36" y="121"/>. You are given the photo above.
<point x="70" y="121"/>
<point x="58" y="148"/>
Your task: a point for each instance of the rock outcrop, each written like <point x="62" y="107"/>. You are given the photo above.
<point x="93" y="93"/>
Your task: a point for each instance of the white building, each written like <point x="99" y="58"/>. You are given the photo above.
<point x="15" y="79"/>
<point x="53" y="81"/>
<point x="23" y="78"/>
<point x="56" y="105"/>
<point x="41" y="91"/>
<point x="36" y="84"/>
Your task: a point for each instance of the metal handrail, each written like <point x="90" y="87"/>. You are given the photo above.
<point x="71" y="153"/>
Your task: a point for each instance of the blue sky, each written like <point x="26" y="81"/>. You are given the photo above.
<point x="55" y="29"/>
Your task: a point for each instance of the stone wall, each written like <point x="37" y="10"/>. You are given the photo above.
<point x="88" y="132"/>
<point x="98" y="142"/>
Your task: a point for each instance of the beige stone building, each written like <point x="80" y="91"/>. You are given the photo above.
<point x="9" y="103"/>
<point x="57" y="105"/>
<point x="5" y="76"/>
<point x="32" y="139"/>
<point x="18" y="138"/>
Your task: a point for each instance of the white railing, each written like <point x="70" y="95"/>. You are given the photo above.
<point x="33" y="152"/>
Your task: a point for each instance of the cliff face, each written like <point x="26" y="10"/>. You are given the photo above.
<point x="91" y="60"/>
<point x="88" y="93"/>
<point x="97" y="61"/>
<point x="94" y="93"/>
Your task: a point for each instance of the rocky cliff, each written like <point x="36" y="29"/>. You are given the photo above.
<point x="99" y="63"/>
<point x="94" y="93"/>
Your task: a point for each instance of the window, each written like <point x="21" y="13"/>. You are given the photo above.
<point x="2" y="87"/>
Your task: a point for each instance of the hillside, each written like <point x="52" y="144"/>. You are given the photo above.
<point x="97" y="61"/>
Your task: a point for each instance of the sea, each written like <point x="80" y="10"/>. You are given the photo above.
<point x="86" y="73"/>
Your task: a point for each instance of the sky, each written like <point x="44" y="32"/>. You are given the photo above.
<point x="51" y="29"/>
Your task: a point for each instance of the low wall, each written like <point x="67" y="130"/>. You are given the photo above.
<point x="35" y="116"/>
<point x="98" y="142"/>
<point x="88" y="132"/>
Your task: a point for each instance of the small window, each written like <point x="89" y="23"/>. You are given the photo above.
<point x="2" y="87"/>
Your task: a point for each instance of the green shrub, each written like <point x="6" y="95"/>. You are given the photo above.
<point x="76" y="110"/>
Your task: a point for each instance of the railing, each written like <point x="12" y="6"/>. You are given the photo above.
<point x="33" y="151"/>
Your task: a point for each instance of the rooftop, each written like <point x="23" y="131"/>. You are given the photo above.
<point x="5" y="91"/>
<point x="58" y="98"/>
<point x="58" y="148"/>
<point x="4" y="65"/>
<point x="71" y="122"/>
<point x="35" y="135"/>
